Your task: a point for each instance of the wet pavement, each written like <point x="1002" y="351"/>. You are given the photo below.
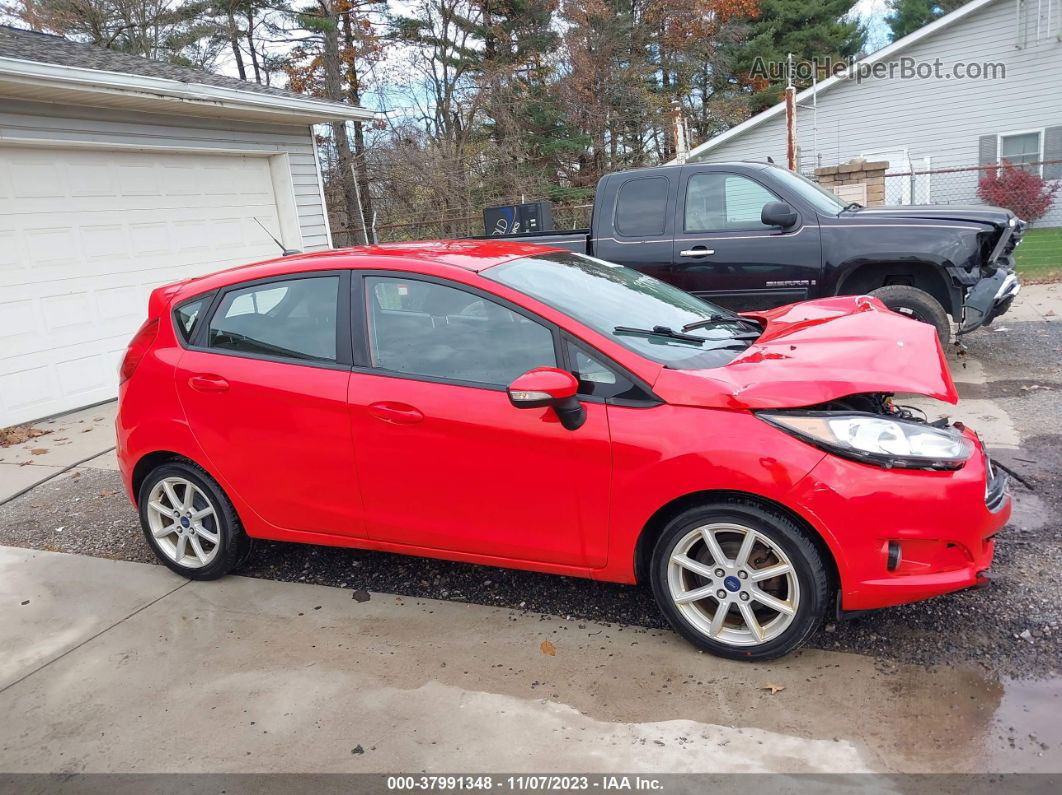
<point x="146" y="672"/>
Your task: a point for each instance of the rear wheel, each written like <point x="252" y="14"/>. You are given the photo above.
<point x="189" y="522"/>
<point x="917" y="305"/>
<point x="739" y="580"/>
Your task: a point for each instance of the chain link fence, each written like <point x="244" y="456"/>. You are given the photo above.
<point x="1018" y="188"/>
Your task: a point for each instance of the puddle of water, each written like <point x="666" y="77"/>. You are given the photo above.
<point x="1025" y="734"/>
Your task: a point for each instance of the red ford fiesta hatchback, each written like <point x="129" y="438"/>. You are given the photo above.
<point x="517" y="405"/>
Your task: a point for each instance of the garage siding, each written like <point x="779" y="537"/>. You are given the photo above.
<point x="97" y="207"/>
<point x="34" y="122"/>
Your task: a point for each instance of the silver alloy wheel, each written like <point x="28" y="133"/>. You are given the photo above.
<point x="183" y="522"/>
<point x="733" y="583"/>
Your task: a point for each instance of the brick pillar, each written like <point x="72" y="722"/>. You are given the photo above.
<point x="871" y="175"/>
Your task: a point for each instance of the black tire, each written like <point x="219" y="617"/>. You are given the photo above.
<point x="233" y="545"/>
<point x="807" y="563"/>
<point x="917" y="305"/>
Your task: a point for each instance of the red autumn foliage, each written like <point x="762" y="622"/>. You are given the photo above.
<point x="1025" y="193"/>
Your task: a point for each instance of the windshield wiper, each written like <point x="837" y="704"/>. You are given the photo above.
<point x="715" y="320"/>
<point x="659" y="331"/>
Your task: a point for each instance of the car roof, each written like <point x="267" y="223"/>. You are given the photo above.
<point x="428" y="256"/>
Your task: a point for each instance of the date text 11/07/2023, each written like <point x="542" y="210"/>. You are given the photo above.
<point x="525" y="783"/>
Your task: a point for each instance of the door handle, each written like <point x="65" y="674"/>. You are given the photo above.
<point x="397" y="413"/>
<point x="697" y="251"/>
<point x="208" y="383"/>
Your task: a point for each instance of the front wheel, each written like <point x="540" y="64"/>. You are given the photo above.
<point x="739" y="580"/>
<point x="917" y="305"/>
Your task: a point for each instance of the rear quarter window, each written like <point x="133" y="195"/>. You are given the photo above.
<point x="641" y="207"/>
<point x="186" y="317"/>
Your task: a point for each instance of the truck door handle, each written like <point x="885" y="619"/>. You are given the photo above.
<point x="398" y="413"/>
<point x="697" y="251"/>
<point x="208" y="383"/>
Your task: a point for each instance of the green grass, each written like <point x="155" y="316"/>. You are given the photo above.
<point x="1039" y="256"/>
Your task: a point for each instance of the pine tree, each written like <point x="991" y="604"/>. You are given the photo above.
<point x="809" y="29"/>
<point x="907" y="16"/>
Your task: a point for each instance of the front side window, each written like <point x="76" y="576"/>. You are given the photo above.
<point x="1022" y="149"/>
<point x="623" y="304"/>
<point x="641" y="207"/>
<point x="291" y="319"/>
<point x="426" y="329"/>
<point x="722" y="202"/>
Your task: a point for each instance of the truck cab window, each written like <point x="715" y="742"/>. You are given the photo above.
<point x="641" y="207"/>
<point x="723" y="202"/>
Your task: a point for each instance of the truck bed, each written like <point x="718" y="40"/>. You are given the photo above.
<point x="572" y="239"/>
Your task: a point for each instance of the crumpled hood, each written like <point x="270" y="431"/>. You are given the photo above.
<point x="817" y="351"/>
<point x="996" y="216"/>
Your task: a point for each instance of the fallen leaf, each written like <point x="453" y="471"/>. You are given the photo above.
<point x="549" y="649"/>
<point x="773" y="688"/>
<point x="38" y="451"/>
<point x="19" y="434"/>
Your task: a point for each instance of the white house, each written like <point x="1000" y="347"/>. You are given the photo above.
<point x="118" y="174"/>
<point x="994" y="92"/>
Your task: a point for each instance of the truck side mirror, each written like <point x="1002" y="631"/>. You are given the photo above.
<point x="778" y="214"/>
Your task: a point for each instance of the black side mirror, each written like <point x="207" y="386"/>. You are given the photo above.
<point x="778" y="214"/>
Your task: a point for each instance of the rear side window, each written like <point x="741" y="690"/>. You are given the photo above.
<point x="427" y="329"/>
<point x="293" y="319"/>
<point x="187" y="316"/>
<point x="641" y="207"/>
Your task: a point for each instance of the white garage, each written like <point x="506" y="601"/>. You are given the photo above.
<point x="122" y="182"/>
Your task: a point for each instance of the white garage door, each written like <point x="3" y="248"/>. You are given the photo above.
<point x="85" y="235"/>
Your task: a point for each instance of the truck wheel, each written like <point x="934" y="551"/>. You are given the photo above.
<point x="917" y="305"/>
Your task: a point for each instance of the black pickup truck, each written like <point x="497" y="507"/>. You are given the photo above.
<point x="755" y="235"/>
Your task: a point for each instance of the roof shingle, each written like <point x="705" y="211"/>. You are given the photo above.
<point x="29" y="45"/>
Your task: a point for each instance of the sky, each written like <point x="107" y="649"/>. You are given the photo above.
<point x="872" y="14"/>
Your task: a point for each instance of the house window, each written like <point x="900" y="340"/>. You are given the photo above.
<point x="1020" y="149"/>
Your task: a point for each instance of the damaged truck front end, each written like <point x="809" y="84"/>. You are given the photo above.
<point x="992" y="294"/>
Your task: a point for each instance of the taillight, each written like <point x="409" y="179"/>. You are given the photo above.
<point x="138" y="346"/>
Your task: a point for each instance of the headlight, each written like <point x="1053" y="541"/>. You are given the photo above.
<point x="877" y="440"/>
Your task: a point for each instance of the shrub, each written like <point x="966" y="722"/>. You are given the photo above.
<point x="1026" y="194"/>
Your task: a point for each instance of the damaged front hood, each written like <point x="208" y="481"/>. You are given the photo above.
<point x="817" y="351"/>
<point x="996" y="216"/>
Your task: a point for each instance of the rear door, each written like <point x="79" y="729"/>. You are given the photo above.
<point x="636" y="217"/>
<point x="723" y="252"/>
<point x="264" y="388"/>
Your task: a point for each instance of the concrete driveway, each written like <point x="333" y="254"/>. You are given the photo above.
<point x="110" y="666"/>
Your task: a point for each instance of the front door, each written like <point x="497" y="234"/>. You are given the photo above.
<point x="444" y="460"/>
<point x="264" y="390"/>
<point x="722" y="252"/>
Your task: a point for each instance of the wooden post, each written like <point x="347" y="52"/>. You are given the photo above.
<point x="790" y="127"/>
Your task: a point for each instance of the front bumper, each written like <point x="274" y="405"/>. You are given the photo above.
<point x="942" y="522"/>
<point x="989" y="298"/>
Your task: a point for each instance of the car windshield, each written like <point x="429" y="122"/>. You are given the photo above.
<point x="638" y="311"/>
<point x="811" y="192"/>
